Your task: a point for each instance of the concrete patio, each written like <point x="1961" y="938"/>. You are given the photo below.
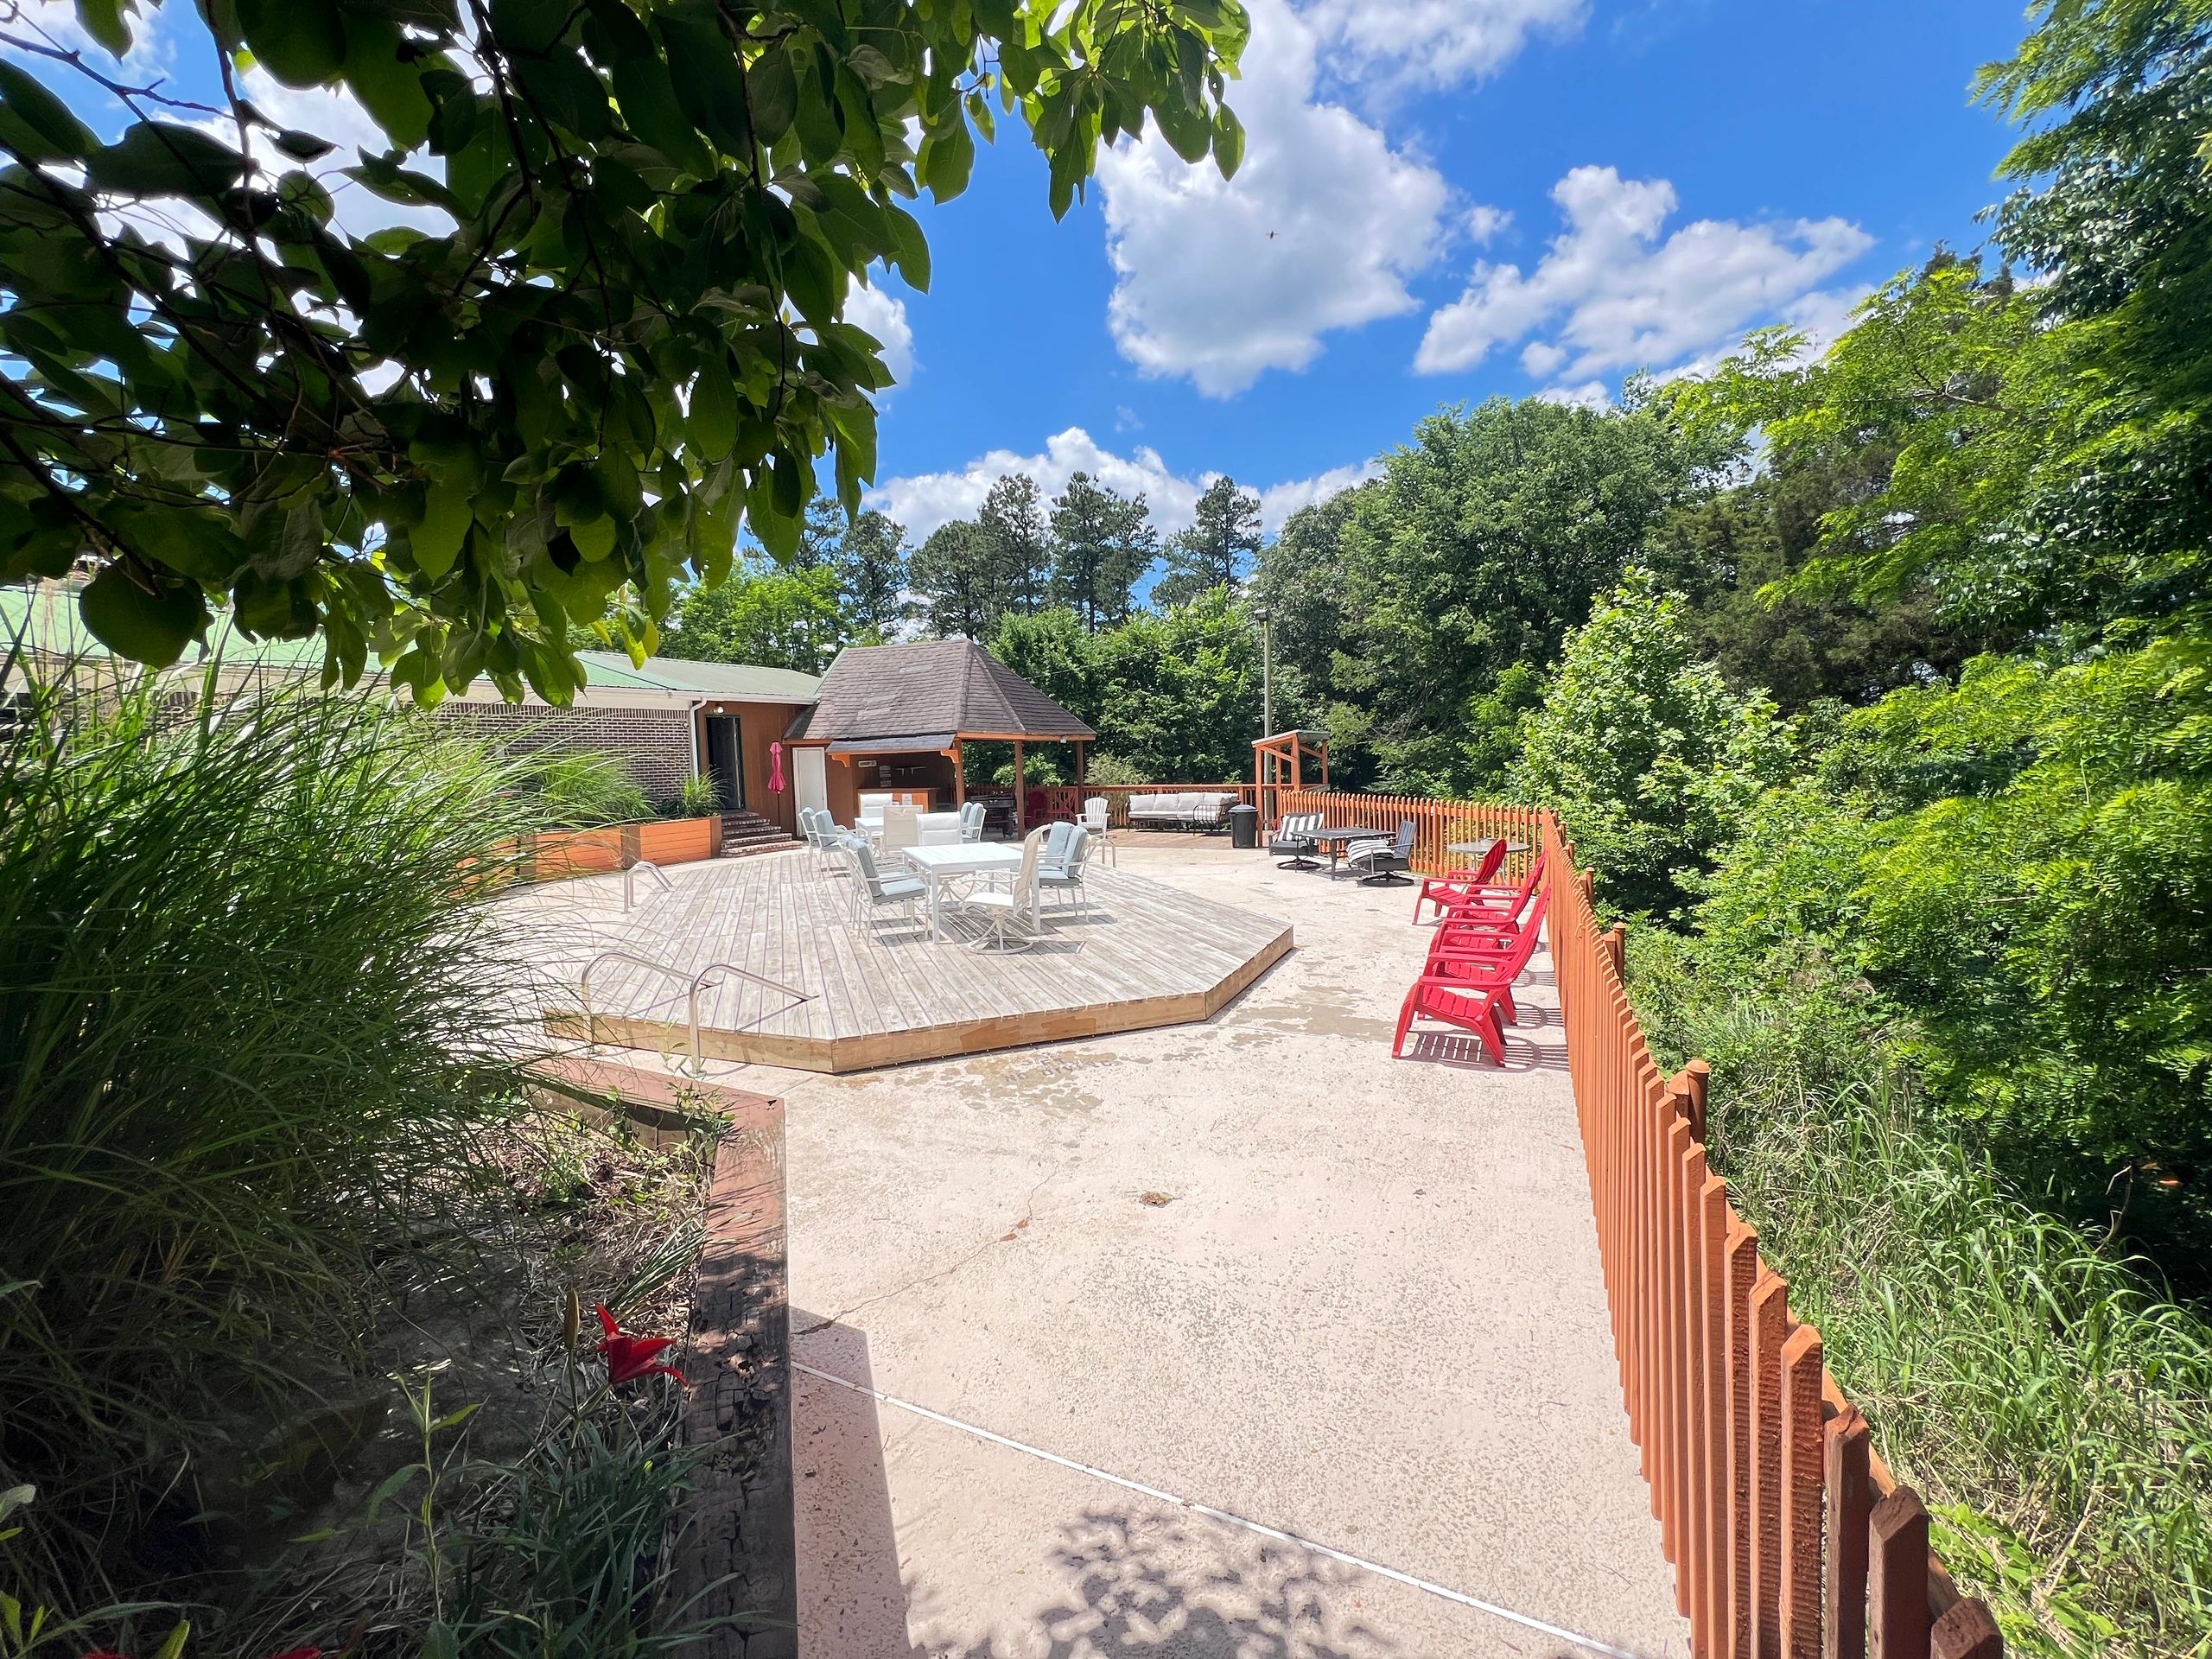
<point x="1043" y="1413"/>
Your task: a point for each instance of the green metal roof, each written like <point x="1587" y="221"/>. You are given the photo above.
<point x="44" y="616"/>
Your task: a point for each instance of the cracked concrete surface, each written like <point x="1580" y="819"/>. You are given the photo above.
<point x="1370" y="1315"/>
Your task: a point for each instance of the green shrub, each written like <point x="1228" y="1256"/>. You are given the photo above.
<point x="1649" y="757"/>
<point x="579" y="789"/>
<point x="251" y="1010"/>
<point x="699" y="797"/>
<point x="1105" y="769"/>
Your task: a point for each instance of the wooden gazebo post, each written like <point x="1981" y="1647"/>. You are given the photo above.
<point x="1021" y="793"/>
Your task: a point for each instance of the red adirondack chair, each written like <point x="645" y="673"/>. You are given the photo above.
<point x="1494" y="960"/>
<point x="1463" y="880"/>
<point x="1472" y="986"/>
<point x="1493" y="901"/>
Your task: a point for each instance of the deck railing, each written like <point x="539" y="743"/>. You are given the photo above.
<point x="1065" y="800"/>
<point x="1790" y="1539"/>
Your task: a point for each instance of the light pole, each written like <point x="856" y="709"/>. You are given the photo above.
<point x="1264" y="618"/>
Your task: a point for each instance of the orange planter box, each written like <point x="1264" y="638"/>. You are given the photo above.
<point x="675" y="840"/>
<point x="557" y="854"/>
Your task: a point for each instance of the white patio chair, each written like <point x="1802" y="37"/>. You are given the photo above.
<point x="971" y="821"/>
<point x="902" y="828"/>
<point x="1010" y="919"/>
<point x="1065" y="876"/>
<point x="1097" y="818"/>
<point x="939" y="828"/>
<point x="873" y="893"/>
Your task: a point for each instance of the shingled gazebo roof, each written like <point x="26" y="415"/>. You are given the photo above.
<point x="884" y="698"/>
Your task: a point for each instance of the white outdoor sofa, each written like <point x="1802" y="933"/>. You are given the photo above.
<point x="1192" y="810"/>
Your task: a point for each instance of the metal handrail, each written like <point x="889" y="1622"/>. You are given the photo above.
<point x="698" y="983"/>
<point x="630" y="881"/>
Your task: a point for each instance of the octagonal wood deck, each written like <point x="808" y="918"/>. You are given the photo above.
<point x="1144" y="955"/>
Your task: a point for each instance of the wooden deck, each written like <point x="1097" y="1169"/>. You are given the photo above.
<point x="1145" y="955"/>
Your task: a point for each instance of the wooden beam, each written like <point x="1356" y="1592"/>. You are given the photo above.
<point x="1020" y="792"/>
<point x="959" y="776"/>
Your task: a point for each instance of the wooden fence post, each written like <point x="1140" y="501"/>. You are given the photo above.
<point x="1851" y="1505"/>
<point x="1801" y="1475"/>
<point x="1897" y="1578"/>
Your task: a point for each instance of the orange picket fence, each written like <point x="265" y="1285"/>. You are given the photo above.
<point x="1790" y="1537"/>
<point x="1437" y="825"/>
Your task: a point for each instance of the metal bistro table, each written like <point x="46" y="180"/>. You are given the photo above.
<point x="1473" y="851"/>
<point x="1334" y="838"/>
<point x="935" y="864"/>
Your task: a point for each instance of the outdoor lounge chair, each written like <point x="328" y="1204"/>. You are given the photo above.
<point x="1294" y="840"/>
<point x="1066" y="874"/>
<point x="1010" y="919"/>
<point x="1381" y="860"/>
<point x="874" y="894"/>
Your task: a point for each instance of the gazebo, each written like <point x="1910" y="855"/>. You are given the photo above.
<point x="895" y="718"/>
<point x="1279" y="762"/>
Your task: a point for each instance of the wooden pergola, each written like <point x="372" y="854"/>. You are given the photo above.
<point x="1279" y="763"/>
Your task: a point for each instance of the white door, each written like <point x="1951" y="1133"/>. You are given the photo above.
<point x="810" y="778"/>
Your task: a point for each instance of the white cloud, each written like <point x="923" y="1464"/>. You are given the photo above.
<point x="1590" y="394"/>
<point x="922" y="501"/>
<point x="884" y="315"/>
<point x="1610" y="295"/>
<point x="1222" y="280"/>
<point x="1485" y="224"/>
<point x="1436" y="43"/>
<point x="1278" y="501"/>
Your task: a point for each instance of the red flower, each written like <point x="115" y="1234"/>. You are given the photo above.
<point x="629" y="1358"/>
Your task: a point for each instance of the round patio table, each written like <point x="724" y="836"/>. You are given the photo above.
<point x="1473" y="851"/>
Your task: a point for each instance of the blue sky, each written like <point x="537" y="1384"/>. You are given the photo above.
<point x="1405" y="153"/>
<point x="1441" y="200"/>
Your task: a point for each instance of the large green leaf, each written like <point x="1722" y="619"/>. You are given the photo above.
<point x="302" y="42"/>
<point x="150" y="625"/>
<point x="37" y="125"/>
<point x="159" y="158"/>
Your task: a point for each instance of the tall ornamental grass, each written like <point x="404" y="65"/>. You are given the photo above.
<point x="251" y="1013"/>
<point x="2053" y="1407"/>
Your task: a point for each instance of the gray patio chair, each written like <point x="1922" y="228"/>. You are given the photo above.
<point x="873" y="893"/>
<point x="1294" y="840"/>
<point x="1010" y="919"/>
<point x="1066" y="875"/>
<point x="1383" y="860"/>
<point x="823" y="838"/>
<point x="971" y="821"/>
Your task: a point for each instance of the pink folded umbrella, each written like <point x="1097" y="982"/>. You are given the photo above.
<point x="775" y="768"/>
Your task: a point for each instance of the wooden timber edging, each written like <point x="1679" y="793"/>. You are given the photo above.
<point x="867" y="1051"/>
<point x="736" y="1549"/>
<point x="1790" y="1537"/>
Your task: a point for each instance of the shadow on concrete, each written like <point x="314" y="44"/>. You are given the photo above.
<point x="1179" y="1588"/>
<point x="1466" y="1053"/>
<point x="852" y="1599"/>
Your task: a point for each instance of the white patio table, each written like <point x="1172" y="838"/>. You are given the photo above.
<point x="955" y="859"/>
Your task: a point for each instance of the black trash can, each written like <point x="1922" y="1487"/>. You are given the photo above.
<point x="1245" y="826"/>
